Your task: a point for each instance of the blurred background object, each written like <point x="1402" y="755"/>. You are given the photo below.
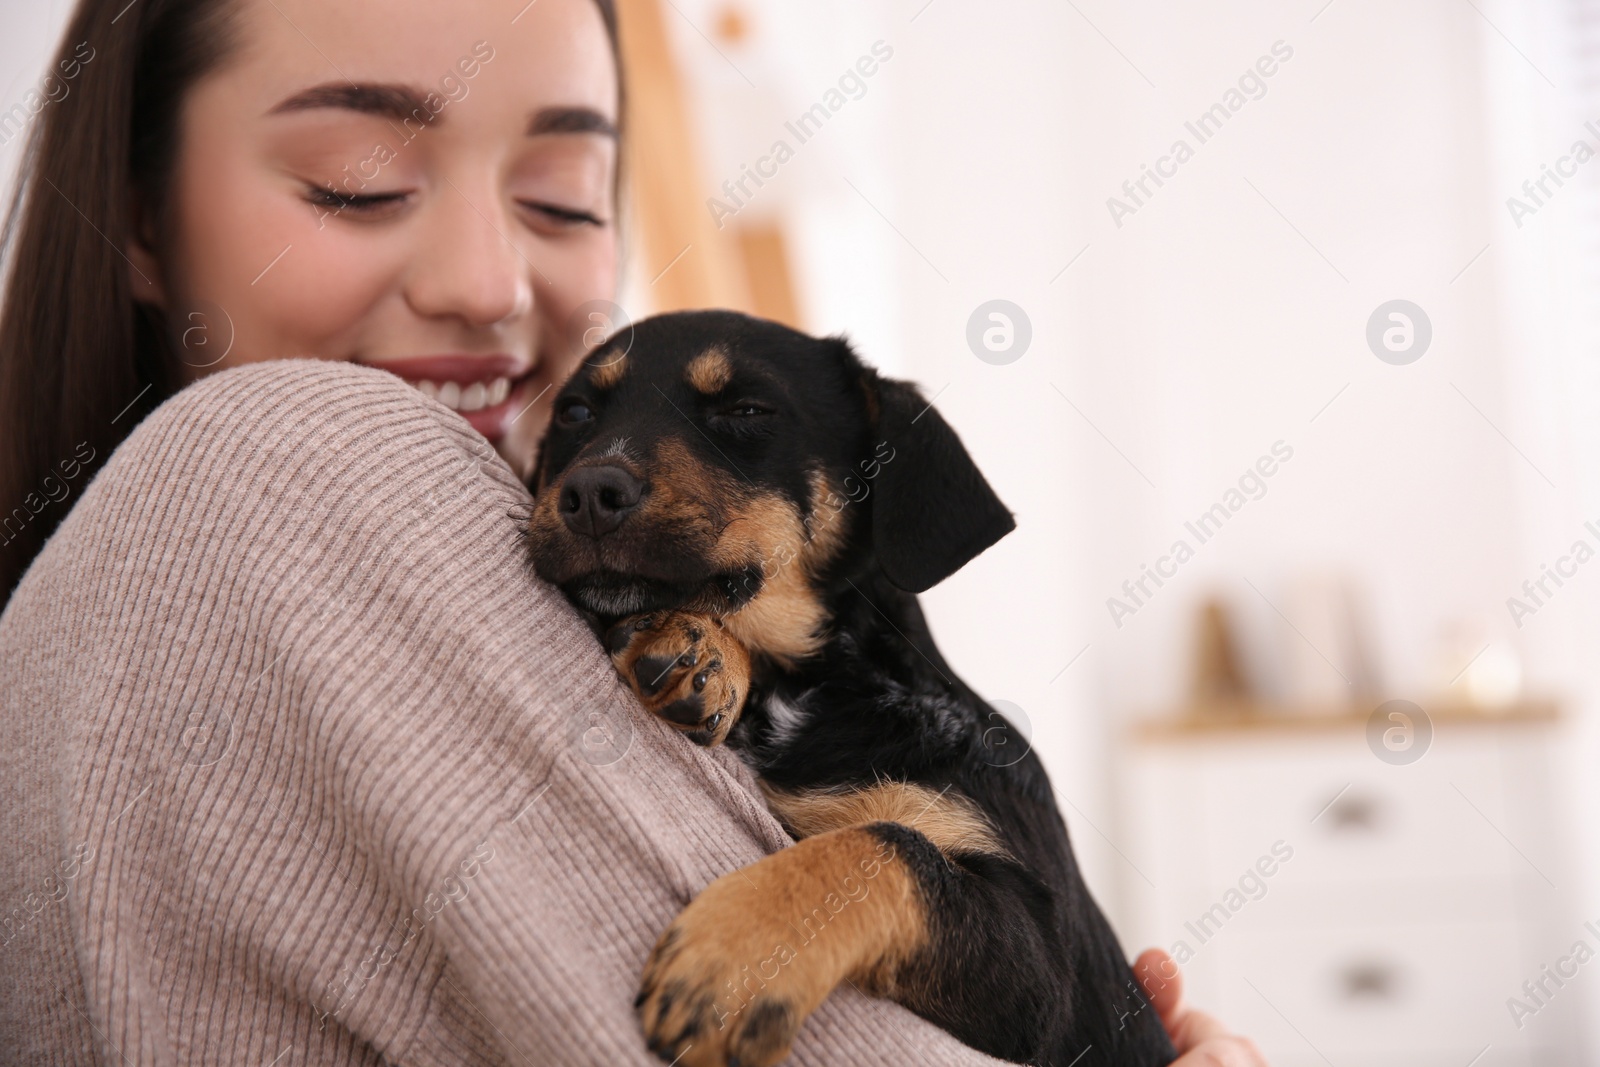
<point x="1281" y="317"/>
<point x="1324" y="651"/>
<point x="1218" y="684"/>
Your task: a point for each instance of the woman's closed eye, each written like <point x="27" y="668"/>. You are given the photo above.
<point x="370" y="205"/>
<point x="362" y="204"/>
<point x="561" y="216"/>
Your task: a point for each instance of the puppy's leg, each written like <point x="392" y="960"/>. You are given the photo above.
<point x="755" y="953"/>
<point x="686" y="668"/>
<point x="966" y="938"/>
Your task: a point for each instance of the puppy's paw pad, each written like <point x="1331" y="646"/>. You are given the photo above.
<point x="685" y="668"/>
<point x="765" y="1035"/>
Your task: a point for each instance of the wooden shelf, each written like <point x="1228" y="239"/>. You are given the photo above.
<point x="1262" y="719"/>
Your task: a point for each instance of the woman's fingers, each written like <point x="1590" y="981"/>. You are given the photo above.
<point x="1191" y="1029"/>
<point x="1222" y="1052"/>
<point x="1163" y="983"/>
<point x="1201" y="1041"/>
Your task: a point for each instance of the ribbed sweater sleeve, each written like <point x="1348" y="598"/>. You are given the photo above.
<point x="301" y="765"/>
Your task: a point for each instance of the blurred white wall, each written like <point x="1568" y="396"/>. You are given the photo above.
<point x="29" y="30"/>
<point x="1547" y="271"/>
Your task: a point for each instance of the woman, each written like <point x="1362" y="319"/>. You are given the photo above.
<point x="300" y="763"/>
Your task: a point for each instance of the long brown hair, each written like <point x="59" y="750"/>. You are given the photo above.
<point x="81" y="362"/>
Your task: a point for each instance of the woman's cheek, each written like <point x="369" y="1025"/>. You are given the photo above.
<point x="284" y="284"/>
<point x="583" y="272"/>
<point x="328" y="286"/>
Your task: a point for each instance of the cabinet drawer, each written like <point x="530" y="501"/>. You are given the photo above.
<point x="1402" y="994"/>
<point x="1355" y="820"/>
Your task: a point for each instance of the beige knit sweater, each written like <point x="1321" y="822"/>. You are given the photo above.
<point x="300" y="765"/>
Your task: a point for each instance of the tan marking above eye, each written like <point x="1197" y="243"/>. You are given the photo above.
<point x="609" y="367"/>
<point x="710" y="371"/>
<point x="949" y="820"/>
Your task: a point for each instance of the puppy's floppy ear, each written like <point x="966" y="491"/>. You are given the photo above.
<point x="932" y="510"/>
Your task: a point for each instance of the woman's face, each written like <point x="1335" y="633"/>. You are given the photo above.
<point x="416" y="186"/>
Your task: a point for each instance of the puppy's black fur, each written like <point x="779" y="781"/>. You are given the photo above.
<point x="763" y="507"/>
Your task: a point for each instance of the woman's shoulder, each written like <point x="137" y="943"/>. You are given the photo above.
<point x="297" y="545"/>
<point x="300" y="417"/>
<point x="292" y="483"/>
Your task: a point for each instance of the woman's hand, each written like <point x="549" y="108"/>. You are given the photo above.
<point x="1201" y="1041"/>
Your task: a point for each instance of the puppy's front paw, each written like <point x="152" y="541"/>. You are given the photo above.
<point x="748" y="961"/>
<point x="685" y="668"/>
<point x="703" y="1002"/>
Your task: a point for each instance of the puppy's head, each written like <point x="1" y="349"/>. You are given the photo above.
<point x="713" y="462"/>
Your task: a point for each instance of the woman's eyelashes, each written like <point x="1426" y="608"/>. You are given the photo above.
<point x="366" y="205"/>
<point x="543" y="214"/>
<point x="561" y="216"/>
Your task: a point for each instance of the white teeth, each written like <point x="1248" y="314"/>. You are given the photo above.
<point x="475" y="396"/>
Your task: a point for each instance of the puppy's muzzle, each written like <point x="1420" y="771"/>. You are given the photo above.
<point x="595" y="500"/>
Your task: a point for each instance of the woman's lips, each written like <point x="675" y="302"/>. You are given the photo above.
<point x="483" y="389"/>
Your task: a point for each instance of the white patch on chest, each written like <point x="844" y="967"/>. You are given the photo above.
<point x="788" y="719"/>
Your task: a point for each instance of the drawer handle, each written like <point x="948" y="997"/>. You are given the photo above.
<point x="1355" y="813"/>
<point x="1369" y="980"/>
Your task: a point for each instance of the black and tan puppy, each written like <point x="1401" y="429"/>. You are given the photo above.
<point x="746" y="513"/>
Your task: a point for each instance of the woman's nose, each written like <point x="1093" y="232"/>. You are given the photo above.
<point x="467" y="265"/>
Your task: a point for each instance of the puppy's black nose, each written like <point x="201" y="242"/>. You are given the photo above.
<point x="595" y="500"/>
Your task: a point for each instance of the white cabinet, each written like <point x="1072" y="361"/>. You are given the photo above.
<point x="1349" y="912"/>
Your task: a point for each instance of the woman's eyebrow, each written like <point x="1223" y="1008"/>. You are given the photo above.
<point x="391" y="101"/>
<point x="403" y="102"/>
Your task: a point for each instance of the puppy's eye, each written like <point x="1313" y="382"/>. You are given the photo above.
<point x="747" y="419"/>
<point x="574" y="413"/>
